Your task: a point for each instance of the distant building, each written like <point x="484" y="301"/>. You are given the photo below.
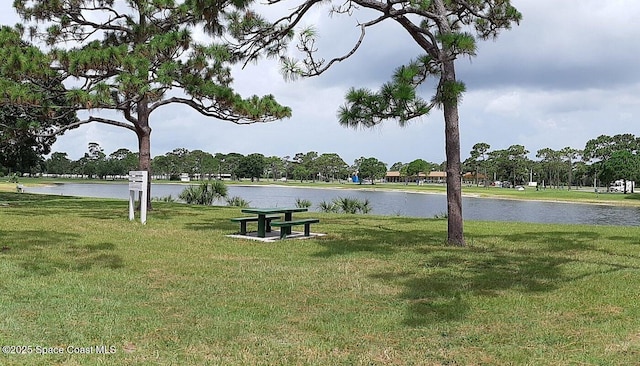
<point x="473" y="177"/>
<point x="436" y="177"/>
<point x="393" y="177"/>
<point x="432" y="177"/>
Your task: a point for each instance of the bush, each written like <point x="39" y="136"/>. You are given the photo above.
<point x="328" y="207"/>
<point x="204" y="193"/>
<point x="346" y="205"/>
<point x="365" y="206"/>
<point x="301" y="203"/>
<point x="441" y="216"/>
<point x="236" y="201"/>
<point x="168" y="198"/>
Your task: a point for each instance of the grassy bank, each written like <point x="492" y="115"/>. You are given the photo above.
<point x="375" y="290"/>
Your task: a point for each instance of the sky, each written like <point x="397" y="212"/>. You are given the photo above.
<point x="568" y="73"/>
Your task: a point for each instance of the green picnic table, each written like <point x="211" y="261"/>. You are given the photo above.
<point x="263" y="212"/>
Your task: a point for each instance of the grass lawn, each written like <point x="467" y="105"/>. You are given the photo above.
<point x="375" y="291"/>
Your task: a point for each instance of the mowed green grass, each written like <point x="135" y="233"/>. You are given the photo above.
<point x="374" y="291"/>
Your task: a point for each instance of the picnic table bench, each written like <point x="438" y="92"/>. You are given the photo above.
<point x="243" y="222"/>
<point x="264" y="223"/>
<point x="283" y="225"/>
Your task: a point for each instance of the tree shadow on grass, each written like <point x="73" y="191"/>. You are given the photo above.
<point x="579" y="241"/>
<point x="223" y="225"/>
<point x="46" y="252"/>
<point x="35" y="205"/>
<point x="379" y="235"/>
<point x="443" y="287"/>
<point x="556" y="241"/>
<point x="106" y="211"/>
<point x="445" y="280"/>
<point x="14" y="199"/>
<point x="450" y="280"/>
<point x="218" y="222"/>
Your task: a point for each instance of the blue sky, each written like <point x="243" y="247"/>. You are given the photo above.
<point x="568" y="73"/>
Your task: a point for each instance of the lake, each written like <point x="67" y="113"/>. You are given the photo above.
<point x="390" y="203"/>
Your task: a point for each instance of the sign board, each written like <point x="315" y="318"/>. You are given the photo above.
<point x="138" y="180"/>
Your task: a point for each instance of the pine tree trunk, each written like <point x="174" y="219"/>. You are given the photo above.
<point x="455" y="234"/>
<point x="144" y="145"/>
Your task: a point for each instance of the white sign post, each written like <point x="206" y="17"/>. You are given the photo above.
<point x="138" y="183"/>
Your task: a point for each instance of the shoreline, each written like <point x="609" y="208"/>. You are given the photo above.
<point x="437" y="190"/>
<point x="470" y="195"/>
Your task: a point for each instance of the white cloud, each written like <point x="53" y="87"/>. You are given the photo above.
<point x="568" y="73"/>
<point x="508" y="104"/>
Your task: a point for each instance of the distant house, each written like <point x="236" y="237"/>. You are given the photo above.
<point x="436" y="177"/>
<point x="432" y="177"/>
<point x="473" y="177"/>
<point x="393" y="177"/>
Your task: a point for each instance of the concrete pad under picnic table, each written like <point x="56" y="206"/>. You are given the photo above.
<point x="275" y="236"/>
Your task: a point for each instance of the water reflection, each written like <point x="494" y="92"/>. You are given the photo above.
<point x="387" y="203"/>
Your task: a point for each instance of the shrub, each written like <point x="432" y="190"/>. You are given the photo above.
<point x="327" y="207"/>
<point x="168" y="198"/>
<point x="236" y="201"/>
<point x="365" y="206"/>
<point x="441" y="216"/>
<point x="204" y="193"/>
<point x="346" y="205"/>
<point x="303" y="203"/>
<point x="352" y="205"/>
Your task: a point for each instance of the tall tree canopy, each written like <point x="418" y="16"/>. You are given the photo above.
<point x="21" y="150"/>
<point x="370" y="168"/>
<point x="478" y="158"/>
<point x="416" y="167"/>
<point x="622" y="164"/>
<point x="439" y="27"/>
<point x="25" y="101"/>
<point x="603" y="148"/>
<point x="551" y="160"/>
<point x="127" y="55"/>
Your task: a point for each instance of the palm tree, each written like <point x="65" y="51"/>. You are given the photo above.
<point x="204" y="193"/>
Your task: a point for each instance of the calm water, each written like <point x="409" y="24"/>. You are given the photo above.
<point x="386" y="203"/>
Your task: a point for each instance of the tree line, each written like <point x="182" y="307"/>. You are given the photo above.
<point x="603" y="160"/>
<point x="310" y="166"/>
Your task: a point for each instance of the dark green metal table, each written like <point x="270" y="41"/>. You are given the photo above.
<point x="263" y="212"/>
